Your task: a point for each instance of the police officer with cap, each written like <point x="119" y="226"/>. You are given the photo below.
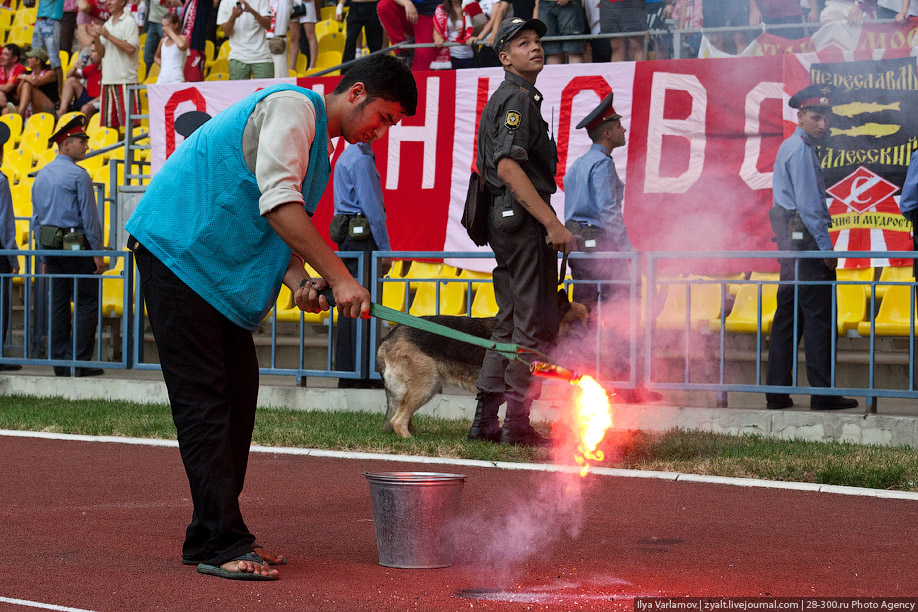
<point x="65" y="217"/>
<point x="517" y="160"/>
<point x="800" y="220"/>
<point x="8" y="263"/>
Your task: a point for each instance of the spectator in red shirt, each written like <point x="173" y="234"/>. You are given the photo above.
<point x="780" y="12"/>
<point x="79" y="97"/>
<point x="10" y="69"/>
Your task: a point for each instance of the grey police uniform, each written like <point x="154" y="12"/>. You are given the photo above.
<point x="526" y="278"/>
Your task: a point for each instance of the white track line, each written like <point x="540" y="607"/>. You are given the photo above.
<point x="38" y="604"/>
<point x="503" y="465"/>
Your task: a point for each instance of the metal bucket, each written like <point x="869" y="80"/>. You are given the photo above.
<point x="414" y="513"/>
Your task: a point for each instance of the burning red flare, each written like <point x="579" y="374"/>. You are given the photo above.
<point x="593" y="419"/>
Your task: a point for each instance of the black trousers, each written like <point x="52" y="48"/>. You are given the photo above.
<point x="346" y="333"/>
<point x="814" y="325"/>
<point x="211" y="371"/>
<point x="86" y="306"/>
<point x="362" y="16"/>
<point x="6" y="295"/>
<point x="526" y="290"/>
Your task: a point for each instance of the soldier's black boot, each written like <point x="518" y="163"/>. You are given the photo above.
<point x="517" y="430"/>
<point x="485" y="425"/>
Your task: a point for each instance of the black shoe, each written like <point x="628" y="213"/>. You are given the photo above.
<point x="832" y="402"/>
<point x="523" y="436"/>
<point x="485" y="433"/>
<point x="780" y="404"/>
<point x="9" y="367"/>
<point x="83" y="372"/>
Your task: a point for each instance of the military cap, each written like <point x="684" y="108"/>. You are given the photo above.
<point x="818" y="96"/>
<point x="187" y="123"/>
<point x="509" y="28"/>
<point x="602" y="113"/>
<point x="40" y="53"/>
<point x="4" y="134"/>
<point x="73" y="128"/>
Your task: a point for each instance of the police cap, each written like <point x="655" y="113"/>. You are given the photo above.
<point x="509" y="28"/>
<point x="4" y="133"/>
<point x="814" y="96"/>
<point x="602" y="113"/>
<point x="73" y="128"/>
<point x="187" y="123"/>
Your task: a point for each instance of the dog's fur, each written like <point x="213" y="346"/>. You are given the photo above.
<point x="415" y="364"/>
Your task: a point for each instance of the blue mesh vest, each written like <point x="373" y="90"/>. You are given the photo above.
<point x="200" y="216"/>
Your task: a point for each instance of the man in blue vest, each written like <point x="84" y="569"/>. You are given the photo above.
<point x="221" y="226"/>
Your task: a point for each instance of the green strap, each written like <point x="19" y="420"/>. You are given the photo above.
<point x="510" y="351"/>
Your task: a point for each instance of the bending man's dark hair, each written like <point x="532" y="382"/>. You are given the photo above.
<point x="383" y="76"/>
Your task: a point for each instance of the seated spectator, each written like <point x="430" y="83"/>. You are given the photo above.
<point x="723" y="14"/>
<point x="38" y="91"/>
<point x="852" y="11"/>
<point x="172" y="51"/>
<point x="777" y="12"/>
<point x="896" y="9"/>
<point x="563" y="18"/>
<point x="10" y="69"/>
<point x="83" y="86"/>
<point x="404" y="19"/>
<point x="305" y="23"/>
<point x="362" y="16"/>
<point x="245" y="24"/>
<point x="118" y="44"/>
<point x="452" y="24"/>
<point x="619" y="16"/>
<point x="495" y="12"/>
<point x="89" y="12"/>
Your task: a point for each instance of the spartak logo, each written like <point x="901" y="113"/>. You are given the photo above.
<point x="862" y="190"/>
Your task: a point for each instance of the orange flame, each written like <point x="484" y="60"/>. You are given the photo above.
<point x="594" y="418"/>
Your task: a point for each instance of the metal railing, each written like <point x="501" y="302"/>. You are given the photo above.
<point x="692" y="355"/>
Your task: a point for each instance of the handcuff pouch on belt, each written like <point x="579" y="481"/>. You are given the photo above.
<point x="591" y="237"/>
<point x="56" y="238"/>
<point x="507" y="214"/>
<point x="788" y="226"/>
<point x="356" y="227"/>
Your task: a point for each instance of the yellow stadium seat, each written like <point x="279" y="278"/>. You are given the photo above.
<point x="301" y="64"/>
<point x="103" y="137"/>
<point x="22" y="200"/>
<point x="217" y="76"/>
<point x="484" y="304"/>
<point x="113" y="290"/>
<point x="397" y="269"/>
<point x="892" y="274"/>
<point x="141" y="68"/>
<point x="893" y="317"/>
<point x="65" y="59"/>
<point x="452" y="299"/>
<point x="20" y="35"/>
<point x="851" y="300"/>
<point x="327" y="59"/>
<point x="327" y="25"/>
<point x="477" y="276"/>
<point x="224" y="50"/>
<point x="91" y="164"/>
<point x="327" y="13"/>
<point x="35" y="142"/>
<point x="14" y="122"/>
<point x="40" y="123"/>
<point x="66" y="118"/>
<point x="45" y="158"/>
<point x="152" y="75"/>
<point x="422" y="270"/>
<point x="220" y="65"/>
<point x="743" y="317"/>
<point x="94" y="124"/>
<point x="20" y="162"/>
<point x="331" y="41"/>
<point x="6" y="20"/>
<point x="393" y="296"/>
<point x="210" y="52"/>
<point x="706" y="305"/>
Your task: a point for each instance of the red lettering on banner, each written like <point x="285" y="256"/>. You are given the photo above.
<point x="575" y="86"/>
<point x="480" y="102"/>
<point x="184" y="95"/>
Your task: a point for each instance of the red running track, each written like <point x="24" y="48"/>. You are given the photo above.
<point x="98" y="526"/>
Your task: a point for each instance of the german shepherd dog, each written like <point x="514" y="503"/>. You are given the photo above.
<point x="415" y="364"/>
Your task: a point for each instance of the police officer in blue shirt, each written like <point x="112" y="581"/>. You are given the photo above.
<point x="800" y="220"/>
<point x="64" y="216"/>
<point x="593" y="195"/>
<point x="10" y="263"/>
<point x="908" y="202"/>
<point x="517" y="160"/>
<point x="360" y="219"/>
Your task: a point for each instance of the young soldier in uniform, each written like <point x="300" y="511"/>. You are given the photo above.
<point x="220" y="227"/>
<point x="800" y="220"/>
<point x="517" y="161"/>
